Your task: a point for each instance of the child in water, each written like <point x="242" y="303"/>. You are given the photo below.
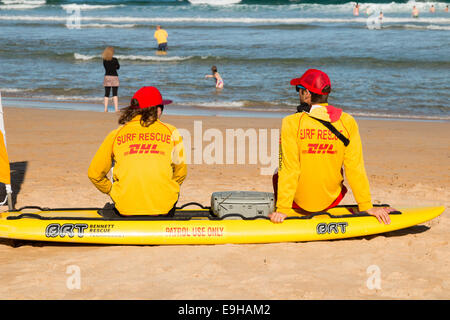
<point x="356" y="9"/>
<point x="415" y="12"/>
<point x="216" y="75"/>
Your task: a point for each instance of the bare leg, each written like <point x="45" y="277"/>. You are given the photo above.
<point x="105" y="100"/>
<point x="116" y="103"/>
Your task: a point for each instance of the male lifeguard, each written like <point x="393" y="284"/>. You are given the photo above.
<point x="317" y="144"/>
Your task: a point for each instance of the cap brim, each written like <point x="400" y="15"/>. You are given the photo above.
<point x="295" y="81"/>
<point x="166" y="102"/>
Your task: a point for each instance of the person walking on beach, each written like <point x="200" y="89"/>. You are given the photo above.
<point x="415" y="12"/>
<point x="161" y="37"/>
<point x="111" y="79"/>
<point x="216" y="76"/>
<point x="317" y="144"/>
<point x="148" y="156"/>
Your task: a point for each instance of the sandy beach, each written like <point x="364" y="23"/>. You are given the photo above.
<point x="407" y="163"/>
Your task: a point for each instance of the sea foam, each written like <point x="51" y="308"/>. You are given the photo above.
<point x="84" y="57"/>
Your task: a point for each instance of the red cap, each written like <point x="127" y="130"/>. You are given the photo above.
<point x="314" y="80"/>
<point x="149" y="97"/>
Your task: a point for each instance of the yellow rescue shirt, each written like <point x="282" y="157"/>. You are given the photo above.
<point x="312" y="157"/>
<point x="161" y="36"/>
<point x="149" y="167"/>
<point x="5" y="171"/>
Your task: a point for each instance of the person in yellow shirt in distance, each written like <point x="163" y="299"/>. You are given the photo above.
<point x="312" y="157"/>
<point x="148" y="156"/>
<point x="161" y="37"/>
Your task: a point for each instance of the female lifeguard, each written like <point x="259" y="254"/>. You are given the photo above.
<point x="148" y="157"/>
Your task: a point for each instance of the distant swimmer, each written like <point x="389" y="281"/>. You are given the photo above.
<point x="446" y="9"/>
<point x="356" y="9"/>
<point x="161" y="37"/>
<point x="415" y="12"/>
<point x="215" y="75"/>
<point x="381" y="16"/>
<point x="432" y="9"/>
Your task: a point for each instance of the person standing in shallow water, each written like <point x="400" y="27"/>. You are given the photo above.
<point x="216" y="76"/>
<point x="415" y="12"/>
<point x="161" y="37"/>
<point x="111" y="79"/>
<point x="356" y="9"/>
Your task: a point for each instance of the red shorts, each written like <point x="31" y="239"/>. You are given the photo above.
<point x="296" y="206"/>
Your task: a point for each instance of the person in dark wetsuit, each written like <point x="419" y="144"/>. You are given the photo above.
<point x="111" y="79"/>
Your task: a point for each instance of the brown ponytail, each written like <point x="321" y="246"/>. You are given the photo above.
<point x="148" y="115"/>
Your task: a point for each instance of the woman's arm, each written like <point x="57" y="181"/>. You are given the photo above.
<point x="101" y="164"/>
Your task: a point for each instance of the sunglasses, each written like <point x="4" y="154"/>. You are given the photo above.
<point x="298" y="87"/>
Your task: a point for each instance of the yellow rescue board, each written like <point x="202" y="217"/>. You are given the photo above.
<point x="87" y="226"/>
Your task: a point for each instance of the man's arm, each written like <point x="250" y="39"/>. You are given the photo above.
<point x="178" y="158"/>
<point x="288" y="170"/>
<point x="356" y="175"/>
<point x="355" y="170"/>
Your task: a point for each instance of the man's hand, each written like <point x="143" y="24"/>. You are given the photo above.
<point x="277" y="217"/>
<point x="381" y="213"/>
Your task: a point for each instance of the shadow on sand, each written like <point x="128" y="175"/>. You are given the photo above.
<point x="18" y="171"/>
<point x="398" y="233"/>
<point x="14" y="243"/>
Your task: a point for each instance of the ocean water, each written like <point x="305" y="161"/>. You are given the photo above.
<point x="398" y="67"/>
